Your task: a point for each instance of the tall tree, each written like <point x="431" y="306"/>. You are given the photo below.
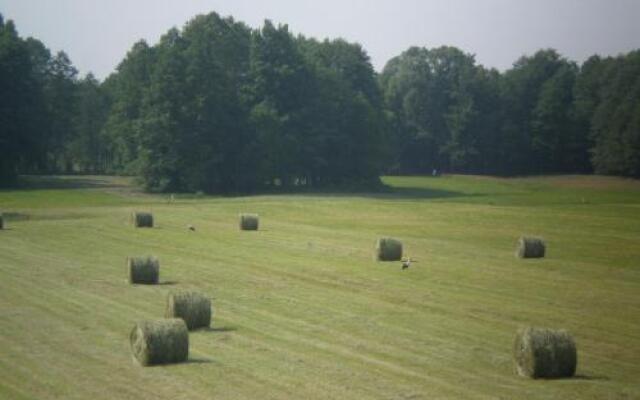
<point x="36" y="157"/>
<point x="60" y="95"/>
<point x="125" y="90"/>
<point x="615" y="125"/>
<point x="19" y="93"/>
<point x="217" y="143"/>
<point x="557" y="144"/>
<point x="432" y="95"/>
<point x="486" y="128"/>
<point x="163" y="118"/>
<point x="521" y="88"/>
<point x="346" y="137"/>
<point x="87" y="147"/>
<point x="278" y="92"/>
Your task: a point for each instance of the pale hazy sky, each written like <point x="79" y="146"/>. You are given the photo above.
<point x="97" y="33"/>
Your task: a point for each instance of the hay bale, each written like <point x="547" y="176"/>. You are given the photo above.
<point x="161" y="341"/>
<point x="388" y="249"/>
<point x="545" y="353"/>
<point x="194" y="308"/>
<point x="143" y="270"/>
<point x="249" y="222"/>
<point x="530" y="247"/>
<point x="142" y="219"/>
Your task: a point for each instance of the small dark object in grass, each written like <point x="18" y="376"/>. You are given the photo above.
<point x="406" y="262"/>
<point x="194" y="308"/>
<point x="162" y="341"/>
<point x="545" y="353"/>
<point x="142" y="219"/>
<point x="143" y="270"/>
<point x="531" y="247"/>
<point x="388" y="249"/>
<point x="249" y="222"/>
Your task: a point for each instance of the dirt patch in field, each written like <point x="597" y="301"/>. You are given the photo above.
<point x="121" y="185"/>
<point x="47" y="216"/>
<point x="40" y="182"/>
<point x="595" y="182"/>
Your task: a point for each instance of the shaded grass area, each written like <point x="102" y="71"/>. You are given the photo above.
<point x="542" y="191"/>
<point x="301" y="310"/>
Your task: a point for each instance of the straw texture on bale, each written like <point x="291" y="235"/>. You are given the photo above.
<point x="163" y="341"/>
<point x="545" y="353"/>
<point x="142" y="219"/>
<point x="249" y="222"/>
<point x="194" y="308"/>
<point x="388" y="249"/>
<point x="143" y="270"/>
<point x="530" y="247"/>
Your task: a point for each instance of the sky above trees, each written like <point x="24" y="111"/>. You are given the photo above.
<point x="97" y="34"/>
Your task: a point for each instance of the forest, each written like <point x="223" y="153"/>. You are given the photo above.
<point x="220" y="107"/>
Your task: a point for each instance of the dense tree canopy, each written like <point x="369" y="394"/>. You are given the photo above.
<point x="455" y="115"/>
<point x="435" y="99"/>
<point x="18" y="98"/>
<point x="220" y="107"/>
<point x="612" y="90"/>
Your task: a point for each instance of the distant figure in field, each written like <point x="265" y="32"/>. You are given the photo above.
<point x="435" y="172"/>
<point x="191" y="228"/>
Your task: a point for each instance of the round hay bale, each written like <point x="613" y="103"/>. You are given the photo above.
<point x="249" y="222"/>
<point x="142" y="219"/>
<point x="388" y="249"/>
<point x="545" y="353"/>
<point x="143" y="270"/>
<point x="194" y="308"/>
<point x="530" y="247"/>
<point x="161" y="341"/>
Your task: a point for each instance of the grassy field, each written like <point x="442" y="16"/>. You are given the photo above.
<point x="301" y="310"/>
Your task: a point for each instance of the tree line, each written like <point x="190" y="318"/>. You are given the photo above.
<point x="544" y="115"/>
<point x="219" y="107"/>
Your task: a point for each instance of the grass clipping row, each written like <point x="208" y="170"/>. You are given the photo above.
<point x="194" y="308"/>
<point x="531" y="247"/>
<point x="145" y="270"/>
<point x="163" y="341"/>
<point x="545" y="353"/>
<point x="249" y="222"/>
<point x="142" y="219"/>
<point x="388" y="249"/>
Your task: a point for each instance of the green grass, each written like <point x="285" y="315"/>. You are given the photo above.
<point x="301" y="310"/>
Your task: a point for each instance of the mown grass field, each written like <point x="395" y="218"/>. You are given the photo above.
<point x="301" y="310"/>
